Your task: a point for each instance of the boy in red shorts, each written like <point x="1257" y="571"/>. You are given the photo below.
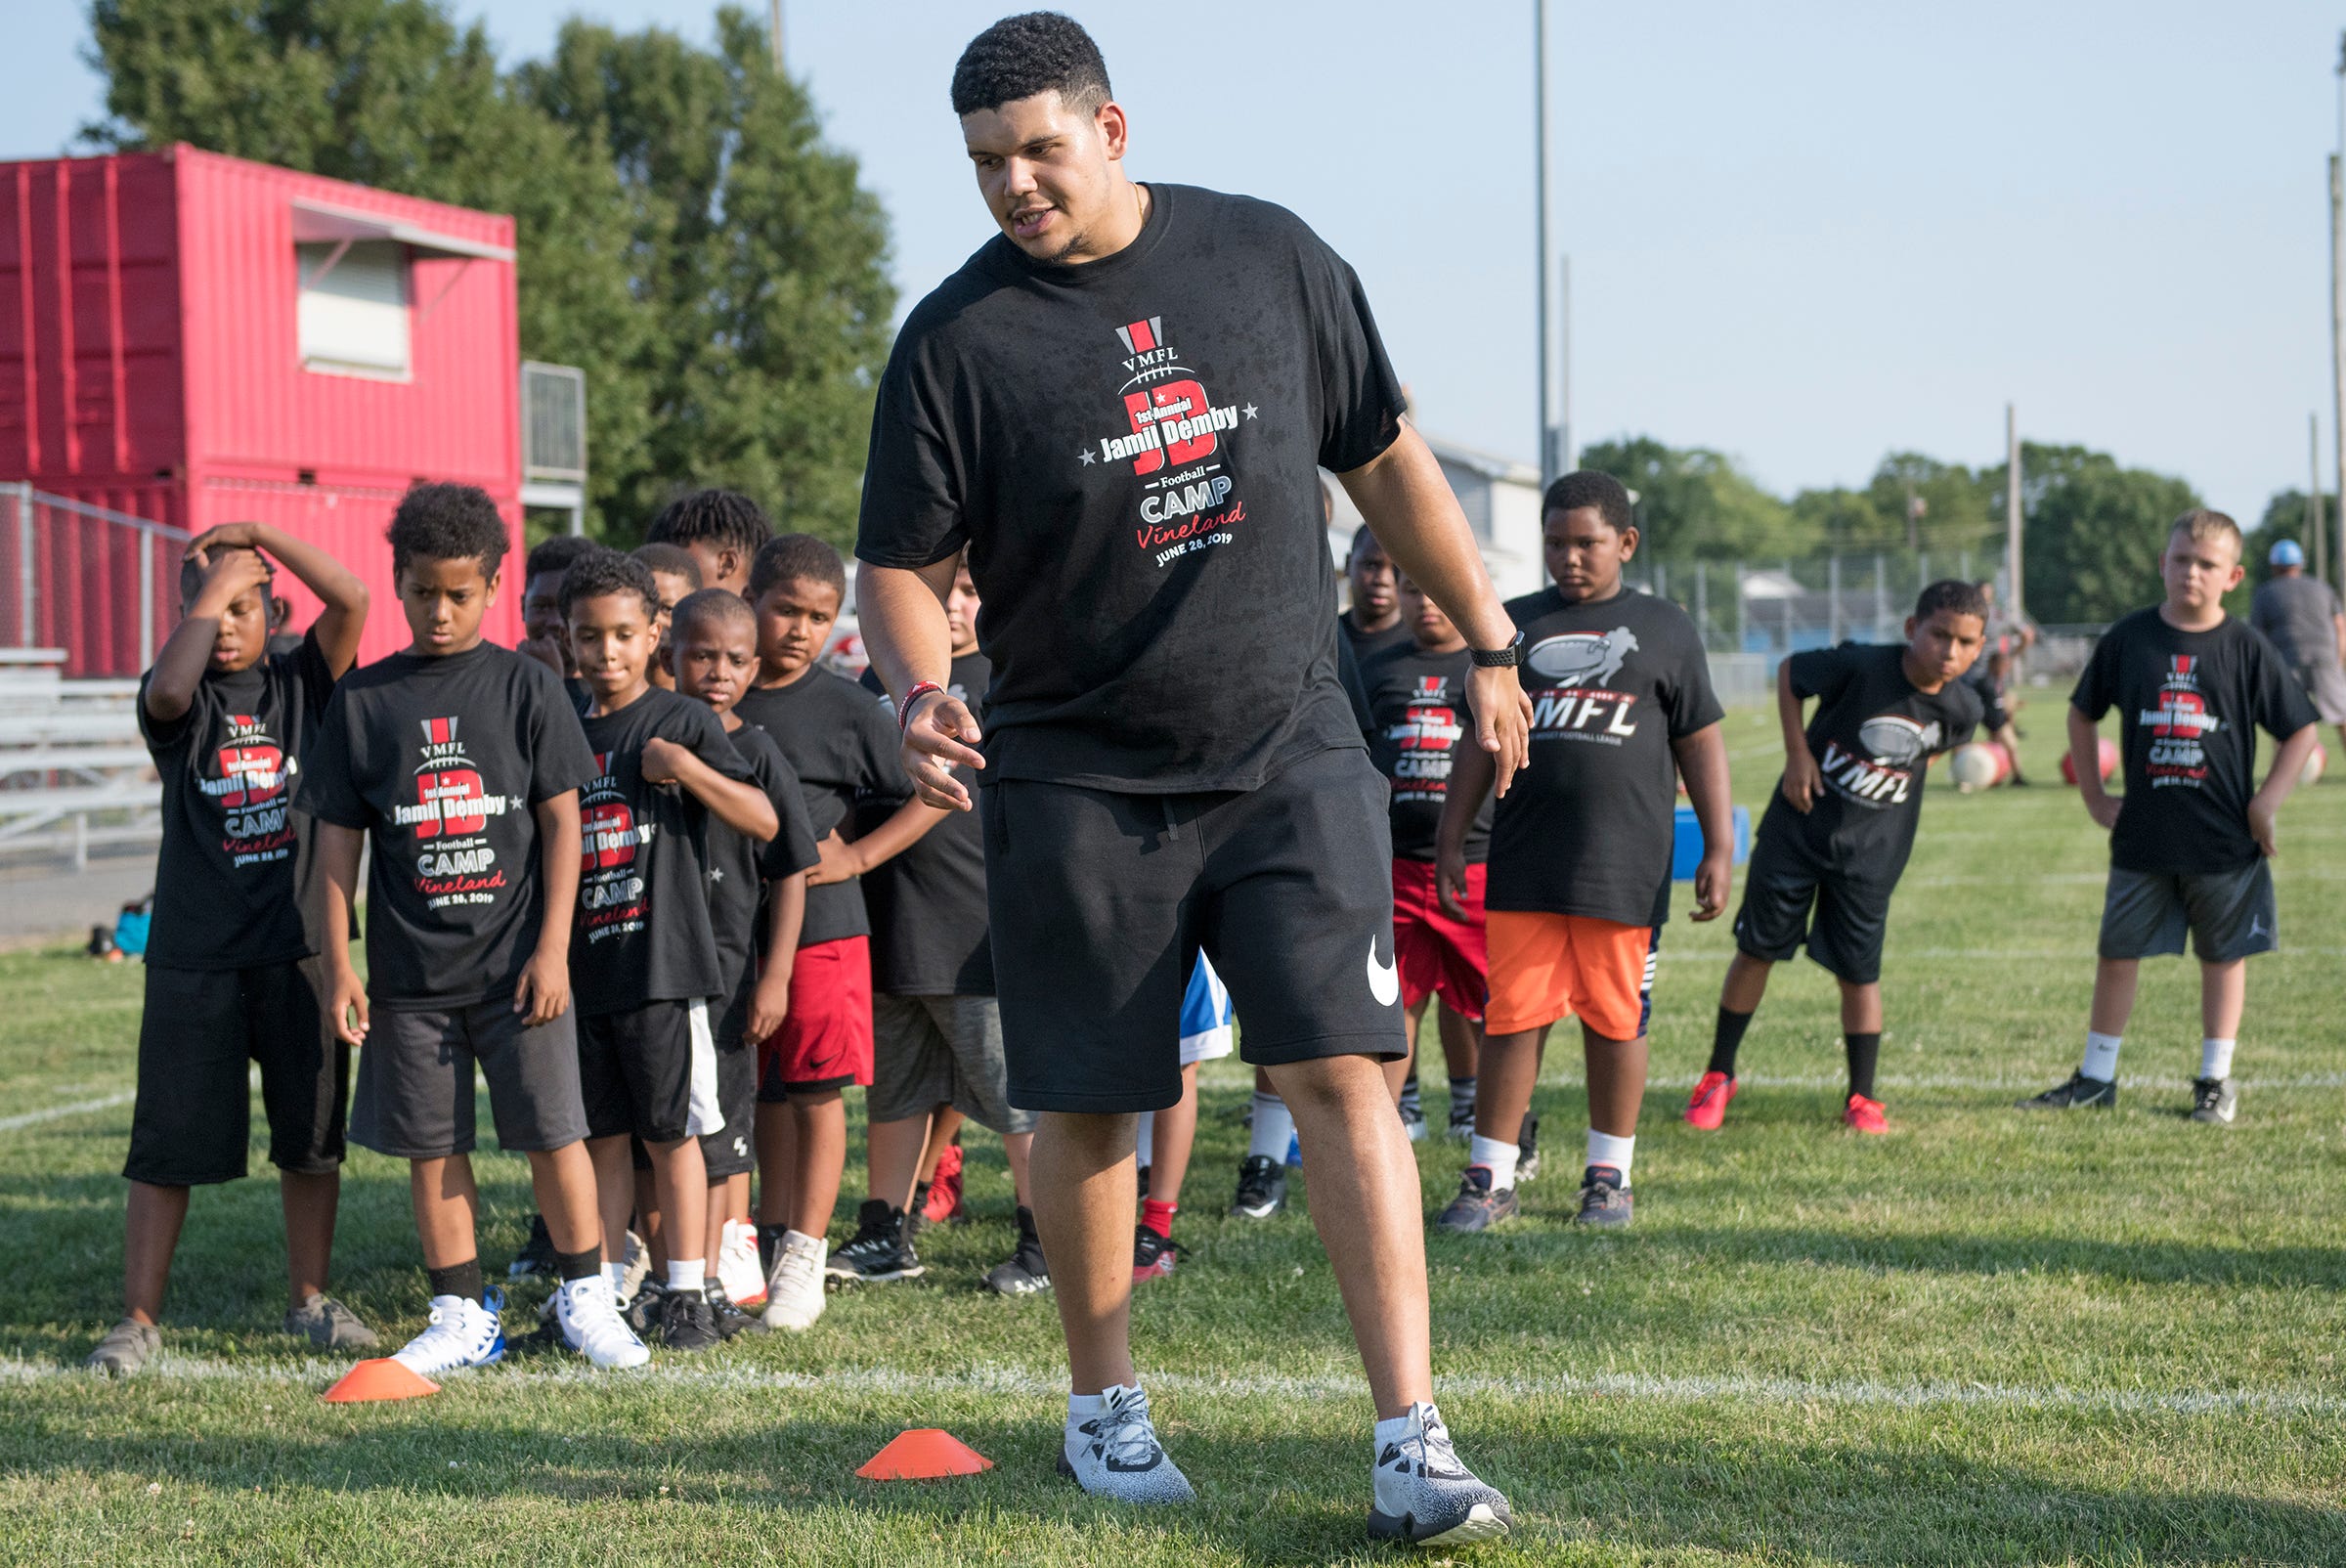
<point x="1579" y="885"/>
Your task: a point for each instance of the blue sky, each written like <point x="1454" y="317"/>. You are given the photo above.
<point x="1804" y="234"/>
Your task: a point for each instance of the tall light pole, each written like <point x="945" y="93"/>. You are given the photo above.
<point x="2313" y="498"/>
<point x="2337" y="320"/>
<point x="2012" y="509"/>
<point x="773" y="31"/>
<point x="1547" y="379"/>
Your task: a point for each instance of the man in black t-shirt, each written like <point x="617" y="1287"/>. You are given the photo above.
<point x="461" y="763"/>
<point x="229" y="969"/>
<point x="2192" y="840"/>
<point x="1120" y="406"/>
<point x="1579" y="886"/>
<point x="1842" y="822"/>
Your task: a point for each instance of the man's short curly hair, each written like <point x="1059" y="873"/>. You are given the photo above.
<point x="721" y="517"/>
<point x="1033" y="52"/>
<point x="446" y="523"/>
<point x="795" y="556"/>
<point x="1589" y="487"/>
<point x="601" y="572"/>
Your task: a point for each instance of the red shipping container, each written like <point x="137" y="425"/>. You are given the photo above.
<point x="198" y="339"/>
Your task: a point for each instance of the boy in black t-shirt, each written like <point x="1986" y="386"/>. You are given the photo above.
<point x="1836" y="834"/>
<point x="723" y="530"/>
<point x="2192" y="840"/>
<point x="843" y="748"/>
<point x="676" y="573"/>
<point x="716" y="641"/>
<point x="542" y="635"/>
<point x="642" y="950"/>
<point x="1418" y="697"/>
<point x="228" y="977"/>
<point x="462" y="762"/>
<point x="1579" y="885"/>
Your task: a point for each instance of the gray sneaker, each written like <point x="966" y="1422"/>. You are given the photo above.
<point x="1425" y="1496"/>
<point x="2215" y="1101"/>
<point x="328" y="1325"/>
<point x="1115" y="1453"/>
<point x="125" y="1348"/>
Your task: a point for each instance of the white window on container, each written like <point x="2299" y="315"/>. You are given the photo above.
<point x="352" y="310"/>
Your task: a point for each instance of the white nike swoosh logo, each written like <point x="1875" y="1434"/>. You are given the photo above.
<point x="1385" y="979"/>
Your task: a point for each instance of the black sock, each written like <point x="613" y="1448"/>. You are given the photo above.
<point x="459" y="1280"/>
<point x="1864" y="1051"/>
<point x="1727" y="1039"/>
<point x="770" y="1243"/>
<point x="579" y="1265"/>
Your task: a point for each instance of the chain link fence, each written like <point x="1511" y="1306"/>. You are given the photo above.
<point x="98" y="586"/>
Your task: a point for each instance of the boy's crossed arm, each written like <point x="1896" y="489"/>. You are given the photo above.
<point x="844" y="858"/>
<point x="739" y="804"/>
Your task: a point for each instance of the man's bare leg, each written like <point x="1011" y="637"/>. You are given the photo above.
<point x="1084" y="1211"/>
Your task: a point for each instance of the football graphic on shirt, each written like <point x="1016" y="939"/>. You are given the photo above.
<point x="1895" y="739"/>
<point x="1583" y="658"/>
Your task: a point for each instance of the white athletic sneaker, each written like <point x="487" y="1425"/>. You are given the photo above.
<point x="1424" y="1495"/>
<point x="794" y="1291"/>
<point x="588" y="1315"/>
<point x="1115" y="1453"/>
<point x="738" y="1266"/>
<point x="462" y="1334"/>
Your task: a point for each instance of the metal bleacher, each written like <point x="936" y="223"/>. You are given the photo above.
<point x="73" y="771"/>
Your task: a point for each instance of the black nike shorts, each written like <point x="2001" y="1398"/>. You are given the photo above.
<point x="1101" y="899"/>
<point x="1790" y="898"/>
<point x="732" y="1150"/>
<point x="649" y="1071"/>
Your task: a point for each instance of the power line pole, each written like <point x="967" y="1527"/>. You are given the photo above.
<point x="773" y="31"/>
<point x="1548" y="383"/>
<point x="2313" y="497"/>
<point x="1564" y="452"/>
<point x="2337" y="319"/>
<point x="2012" y="509"/>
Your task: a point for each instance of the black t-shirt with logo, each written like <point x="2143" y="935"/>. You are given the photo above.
<point x="443" y="762"/>
<point x="1417" y="702"/>
<point x="1872" y="736"/>
<point x="1367" y="645"/>
<point x="1586" y="827"/>
<point x="642" y="932"/>
<point x="739" y="867"/>
<point x="843" y="748"/>
<point x="233" y="879"/>
<point x="2189" y="704"/>
<point x="1130" y="450"/>
<point x="928" y="920"/>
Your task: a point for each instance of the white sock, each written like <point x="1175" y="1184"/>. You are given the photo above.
<point x="1144" y="1149"/>
<point x="1606" y="1149"/>
<point x="617" y="1273"/>
<point x="1394" y="1428"/>
<point x="690" y="1278"/>
<point x="2102" y="1055"/>
<point x="2215" y="1059"/>
<point x="1499" y="1158"/>
<point x="1273" y="1128"/>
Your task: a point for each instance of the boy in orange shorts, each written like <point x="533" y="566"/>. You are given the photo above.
<point x="1579" y="879"/>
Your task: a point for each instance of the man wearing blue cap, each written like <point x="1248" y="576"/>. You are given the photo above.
<point x="2304" y="619"/>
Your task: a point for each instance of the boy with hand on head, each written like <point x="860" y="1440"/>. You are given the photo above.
<point x="1417" y="698"/>
<point x="1836" y="836"/>
<point x="677" y="574"/>
<point x="2191" y="839"/>
<point x="642" y="950"/>
<point x="1579" y="881"/>
<point x="723" y="530"/>
<point x="462" y="762"/>
<point x="229" y="976"/>
<point x="716" y="640"/>
<point x="843" y="748"/>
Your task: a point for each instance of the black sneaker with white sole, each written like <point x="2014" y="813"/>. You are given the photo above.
<point x="1425" y="1496"/>
<point x="880" y="1251"/>
<point x="2075" y="1093"/>
<point x="1115" y="1455"/>
<point x="2215" y="1101"/>
<point x="1262" y="1189"/>
<point x="730" y="1320"/>
<point x="535" y="1259"/>
<point x="1606" y="1198"/>
<point x="1023" y="1272"/>
<point x="687" y="1322"/>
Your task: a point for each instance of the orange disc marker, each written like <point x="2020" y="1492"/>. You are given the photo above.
<point x="924" y="1454"/>
<point x="380" y="1378"/>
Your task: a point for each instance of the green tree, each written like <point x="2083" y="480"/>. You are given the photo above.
<point x="1694" y="503"/>
<point x="2094" y="531"/>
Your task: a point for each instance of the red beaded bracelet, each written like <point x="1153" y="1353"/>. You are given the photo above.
<point x="920" y="689"/>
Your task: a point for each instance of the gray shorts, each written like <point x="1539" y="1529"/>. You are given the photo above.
<point x="2325" y="684"/>
<point x="2229" y="914"/>
<point x="931" y="1051"/>
<point x="414" y="1096"/>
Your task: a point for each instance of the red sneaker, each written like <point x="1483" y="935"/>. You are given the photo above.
<point x="1707" y="1106"/>
<point x="1153" y="1254"/>
<point x="944" y="1193"/>
<point x="1865" y="1115"/>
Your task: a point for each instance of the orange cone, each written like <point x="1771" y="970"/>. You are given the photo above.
<point x="380" y="1378"/>
<point x="924" y="1454"/>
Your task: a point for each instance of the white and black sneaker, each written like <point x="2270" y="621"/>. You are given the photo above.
<point x="1115" y="1453"/>
<point x="587" y="1318"/>
<point x="2077" y="1092"/>
<point x="1424" y="1495"/>
<point x="462" y="1333"/>
<point x="881" y="1251"/>
<point x="1262" y="1189"/>
<point x="1023" y="1272"/>
<point x="2215" y="1101"/>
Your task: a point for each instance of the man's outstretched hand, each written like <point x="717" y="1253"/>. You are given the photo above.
<point x="941" y="735"/>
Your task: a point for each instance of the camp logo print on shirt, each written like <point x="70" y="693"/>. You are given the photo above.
<point x="250" y="792"/>
<point x="613" y="898"/>
<point x="454" y="863"/>
<point x="2178" y="725"/>
<point x="1172" y="432"/>
<point x="1577" y="704"/>
<point x="1894" y="745"/>
<point x="1427" y="731"/>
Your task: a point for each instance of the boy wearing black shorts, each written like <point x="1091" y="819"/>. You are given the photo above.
<point x="1836" y="836"/>
<point x="2192" y="840"/>
<point x="643" y="951"/>
<point x="462" y="762"/>
<point x="715" y="638"/>
<point x="231" y="975"/>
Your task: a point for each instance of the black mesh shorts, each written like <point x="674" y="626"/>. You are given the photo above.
<point x="1791" y="901"/>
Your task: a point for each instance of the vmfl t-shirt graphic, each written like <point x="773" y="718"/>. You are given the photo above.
<point x="454" y="864"/>
<point x="251" y="790"/>
<point x="1172" y="437"/>
<point x="1881" y="772"/>
<point x="614" y="898"/>
<point x="1429" y="728"/>
<point x="2179" y="726"/>
<point x="1577" y="701"/>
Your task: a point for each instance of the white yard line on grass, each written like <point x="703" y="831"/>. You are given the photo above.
<point x="1995" y="955"/>
<point x="1025" y="1382"/>
<point x="1983" y="1085"/>
<point x="80" y="1107"/>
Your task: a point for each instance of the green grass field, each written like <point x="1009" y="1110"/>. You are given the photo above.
<point x="1985" y="1338"/>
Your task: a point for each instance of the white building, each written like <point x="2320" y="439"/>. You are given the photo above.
<point x="1500" y="499"/>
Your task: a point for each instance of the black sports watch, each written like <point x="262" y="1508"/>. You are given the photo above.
<point x="1505" y="658"/>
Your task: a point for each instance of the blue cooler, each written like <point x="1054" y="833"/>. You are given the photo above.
<point x="1686" y="848"/>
